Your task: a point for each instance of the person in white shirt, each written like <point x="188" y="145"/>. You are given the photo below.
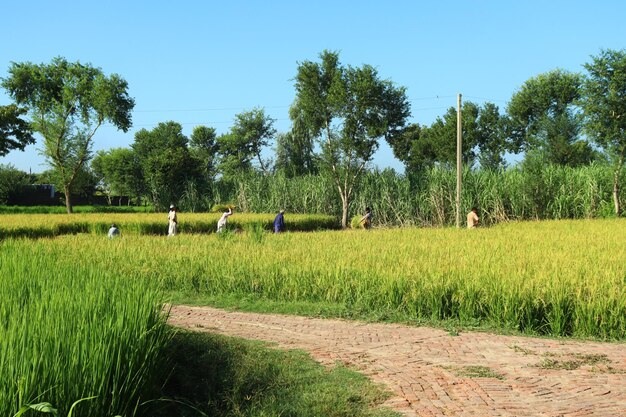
<point x="113" y="231"/>
<point x="173" y="221"/>
<point x="221" y="224"/>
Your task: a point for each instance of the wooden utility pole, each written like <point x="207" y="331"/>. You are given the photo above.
<point x="459" y="143"/>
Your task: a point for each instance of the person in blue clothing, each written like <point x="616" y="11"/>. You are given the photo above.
<point x="279" y="222"/>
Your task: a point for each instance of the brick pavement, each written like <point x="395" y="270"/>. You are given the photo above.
<point x="433" y="373"/>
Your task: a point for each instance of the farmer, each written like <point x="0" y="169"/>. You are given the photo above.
<point x="367" y="219"/>
<point x="113" y="231"/>
<point x="472" y="218"/>
<point x="173" y="221"/>
<point x="279" y="222"/>
<point x="221" y="224"/>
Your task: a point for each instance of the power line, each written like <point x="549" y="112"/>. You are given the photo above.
<point x="264" y="107"/>
<point x="487" y="99"/>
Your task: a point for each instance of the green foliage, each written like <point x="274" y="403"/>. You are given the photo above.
<point x="355" y="222"/>
<point x="348" y="109"/>
<point x="605" y="110"/>
<point x="12" y="181"/>
<point x="166" y="162"/>
<point x="533" y="190"/>
<point x="119" y="172"/>
<point x="222" y="376"/>
<point x="543" y="116"/>
<point x="68" y="102"/>
<point x="221" y="208"/>
<point x="203" y="147"/>
<point x="294" y="154"/>
<point x="251" y="132"/>
<point x="135" y="223"/>
<point x="73" y="329"/>
<point x="15" y="133"/>
<point x="484" y="140"/>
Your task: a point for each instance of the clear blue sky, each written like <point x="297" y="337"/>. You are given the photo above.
<point x="202" y="62"/>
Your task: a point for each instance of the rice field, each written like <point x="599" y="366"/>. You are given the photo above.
<point x="51" y="225"/>
<point x="80" y="312"/>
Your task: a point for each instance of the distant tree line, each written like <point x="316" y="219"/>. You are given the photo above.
<point x="339" y="115"/>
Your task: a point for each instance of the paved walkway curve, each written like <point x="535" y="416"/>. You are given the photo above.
<point x="434" y="373"/>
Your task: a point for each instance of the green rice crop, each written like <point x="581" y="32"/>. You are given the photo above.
<point x="50" y="225"/>
<point x="561" y="278"/>
<point x="81" y="314"/>
<point x="72" y="329"/>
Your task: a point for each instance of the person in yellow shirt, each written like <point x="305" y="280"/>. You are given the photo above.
<point x="472" y="218"/>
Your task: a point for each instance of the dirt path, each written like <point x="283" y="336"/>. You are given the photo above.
<point x="434" y="373"/>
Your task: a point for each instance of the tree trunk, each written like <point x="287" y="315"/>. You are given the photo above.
<point x="344" y="211"/>
<point x="616" y="192"/>
<point x="68" y="199"/>
<point x="616" y="173"/>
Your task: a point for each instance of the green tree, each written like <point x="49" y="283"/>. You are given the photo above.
<point x="119" y="173"/>
<point x="15" y="132"/>
<point x="604" y="106"/>
<point x="203" y="147"/>
<point x="67" y="103"/>
<point x="349" y="110"/>
<point x="12" y="182"/>
<point x="250" y="133"/>
<point x="84" y="183"/>
<point x="484" y="139"/>
<point x="543" y="115"/>
<point x="166" y="162"/>
<point x="294" y="154"/>
<point x="491" y="138"/>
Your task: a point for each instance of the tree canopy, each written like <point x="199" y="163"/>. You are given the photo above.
<point x="67" y="103"/>
<point x="15" y="132"/>
<point x="348" y="109"/>
<point x="604" y="104"/>
<point x="544" y="115"/>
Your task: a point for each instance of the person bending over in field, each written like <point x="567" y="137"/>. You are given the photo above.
<point x="472" y="218"/>
<point x="173" y="221"/>
<point x="367" y="219"/>
<point x="221" y="224"/>
<point x="279" y="222"/>
<point x="113" y="231"/>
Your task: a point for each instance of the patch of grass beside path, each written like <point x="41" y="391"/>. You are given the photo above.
<point x="329" y="310"/>
<point x="223" y="376"/>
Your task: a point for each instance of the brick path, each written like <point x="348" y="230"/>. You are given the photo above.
<point x="433" y="373"/>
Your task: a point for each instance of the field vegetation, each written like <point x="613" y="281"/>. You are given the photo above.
<point x="82" y="314"/>
<point x="50" y="225"/>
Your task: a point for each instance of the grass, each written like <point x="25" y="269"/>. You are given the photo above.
<point x="222" y="376"/>
<point x="77" y="209"/>
<point x="71" y="330"/>
<point x="474" y="371"/>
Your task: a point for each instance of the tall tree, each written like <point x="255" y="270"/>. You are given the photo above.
<point x="120" y="173"/>
<point x="604" y="106"/>
<point x="203" y="147"/>
<point x="165" y="161"/>
<point x="295" y="155"/>
<point x="421" y="147"/>
<point x="349" y="110"/>
<point x="67" y="103"/>
<point x="250" y="133"/>
<point x="15" y="132"/>
<point x="543" y="115"/>
<point x="491" y="138"/>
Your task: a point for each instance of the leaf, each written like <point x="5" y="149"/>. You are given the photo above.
<point x="41" y="407"/>
<point x="69" y="414"/>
